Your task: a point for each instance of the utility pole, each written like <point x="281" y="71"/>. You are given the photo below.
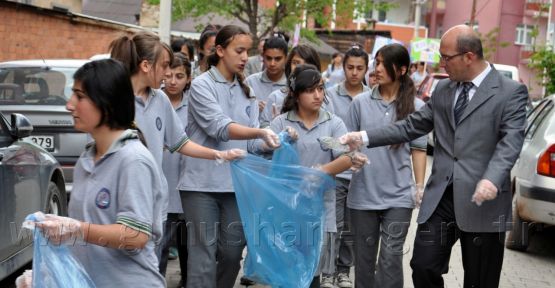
<point x="417" y="15"/>
<point x="165" y="21"/>
<point x="472" y="15"/>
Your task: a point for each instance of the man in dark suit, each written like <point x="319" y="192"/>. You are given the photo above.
<point x="478" y="118"/>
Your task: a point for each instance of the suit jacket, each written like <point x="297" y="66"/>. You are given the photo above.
<point x="484" y="145"/>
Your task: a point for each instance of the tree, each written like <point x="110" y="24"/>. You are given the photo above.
<point x="490" y="43"/>
<point x="283" y="16"/>
<point x="543" y="58"/>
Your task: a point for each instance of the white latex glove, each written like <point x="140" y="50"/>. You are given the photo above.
<point x="229" y="155"/>
<point x="292" y="133"/>
<point x="352" y="139"/>
<point x="25" y="280"/>
<point x="270" y="138"/>
<point x="418" y="194"/>
<point x="58" y="229"/>
<point x="485" y="190"/>
<point x="358" y="160"/>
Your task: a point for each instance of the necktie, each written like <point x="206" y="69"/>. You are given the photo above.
<point x="462" y="101"/>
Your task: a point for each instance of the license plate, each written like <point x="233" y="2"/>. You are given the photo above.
<point x="46" y="142"/>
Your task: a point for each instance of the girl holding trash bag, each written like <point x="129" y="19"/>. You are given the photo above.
<point x="302" y="111"/>
<point x="223" y="114"/>
<point x="380" y="196"/>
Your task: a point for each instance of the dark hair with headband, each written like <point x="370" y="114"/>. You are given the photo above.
<point x="304" y="77"/>
<point x="277" y="41"/>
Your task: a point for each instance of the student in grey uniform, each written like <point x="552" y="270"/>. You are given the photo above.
<point x="223" y="114"/>
<point x="300" y="54"/>
<point x="149" y="60"/>
<point x="255" y="64"/>
<point x="177" y="88"/>
<point x="272" y="77"/>
<point x="341" y="95"/>
<point x="334" y="74"/>
<point x="381" y="195"/>
<point x="303" y="112"/>
<point x="117" y="189"/>
<point x="205" y="48"/>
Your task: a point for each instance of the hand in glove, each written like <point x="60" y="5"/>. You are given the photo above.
<point x="352" y="139"/>
<point x="25" y="280"/>
<point x="58" y="229"/>
<point x="418" y="195"/>
<point x="358" y="160"/>
<point x="270" y="138"/>
<point x="485" y="190"/>
<point x="229" y="155"/>
<point x="292" y="133"/>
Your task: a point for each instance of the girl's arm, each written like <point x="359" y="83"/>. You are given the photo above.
<point x="418" y="165"/>
<point x="116" y="236"/>
<point x="338" y="165"/>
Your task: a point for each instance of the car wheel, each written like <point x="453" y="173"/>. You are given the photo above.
<point x="518" y="236"/>
<point x="56" y="202"/>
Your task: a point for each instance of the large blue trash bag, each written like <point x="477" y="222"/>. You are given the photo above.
<point x="54" y="266"/>
<point x="282" y="209"/>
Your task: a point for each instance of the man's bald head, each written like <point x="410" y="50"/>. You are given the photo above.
<point x="465" y="39"/>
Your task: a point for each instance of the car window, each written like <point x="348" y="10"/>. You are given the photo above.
<point x="536" y="117"/>
<point x="35" y="85"/>
<point x="505" y="73"/>
<point x="5" y="137"/>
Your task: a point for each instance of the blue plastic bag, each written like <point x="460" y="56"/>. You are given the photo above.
<point x="282" y="209"/>
<point x="54" y="266"/>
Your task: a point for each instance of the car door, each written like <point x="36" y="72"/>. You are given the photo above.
<point x="19" y="192"/>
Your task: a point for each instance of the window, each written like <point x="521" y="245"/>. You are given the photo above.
<point x="524" y="34"/>
<point x="535" y="118"/>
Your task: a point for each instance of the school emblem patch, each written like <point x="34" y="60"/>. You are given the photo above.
<point x="158" y="123"/>
<point x="103" y="198"/>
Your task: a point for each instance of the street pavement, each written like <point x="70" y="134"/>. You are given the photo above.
<point x="534" y="268"/>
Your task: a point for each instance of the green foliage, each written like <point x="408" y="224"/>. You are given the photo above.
<point x="284" y="16"/>
<point x="543" y="62"/>
<point x="489" y="43"/>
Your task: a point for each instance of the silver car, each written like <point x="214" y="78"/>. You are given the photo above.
<point x="32" y="180"/>
<point x="39" y="89"/>
<point x="533" y="176"/>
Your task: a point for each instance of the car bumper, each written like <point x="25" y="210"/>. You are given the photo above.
<point x="536" y="203"/>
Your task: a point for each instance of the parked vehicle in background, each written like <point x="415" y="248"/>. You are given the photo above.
<point x="39" y="89"/>
<point x="508" y="71"/>
<point x="533" y="176"/>
<point x="428" y="85"/>
<point x="31" y="180"/>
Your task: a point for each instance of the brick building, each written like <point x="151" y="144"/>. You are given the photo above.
<point x="31" y="32"/>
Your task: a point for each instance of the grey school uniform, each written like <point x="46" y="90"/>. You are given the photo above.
<point x="171" y="164"/>
<point x="387" y="181"/>
<point x="311" y="152"/>
<point x="274" y="100"/>
<point x="123" y="187"/>
<point x="263" y="86"/>
<point x="213" y="105"/>
<point x="161" y="127"/>
<point x="339" y="105"/>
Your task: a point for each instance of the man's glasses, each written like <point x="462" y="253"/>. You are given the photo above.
<point x="447" y="58"/>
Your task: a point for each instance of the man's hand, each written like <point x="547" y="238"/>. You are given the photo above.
<point x="485" y="190"/>
<point x="352" y="139"/>
<point x="418" y="194"/>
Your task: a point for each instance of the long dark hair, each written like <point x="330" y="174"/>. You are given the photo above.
<point x="304" y="77"/>
<point x="141" y="46"/>
<point x="396" y="56"/>
<point x="223" y="38"/>
<point x="208" y="32"/>
<point x="307" y="53"/>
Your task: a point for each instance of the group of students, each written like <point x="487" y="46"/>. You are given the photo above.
<point x="130" y="181"/>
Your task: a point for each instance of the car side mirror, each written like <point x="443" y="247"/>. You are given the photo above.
<point x="21" y="126"/>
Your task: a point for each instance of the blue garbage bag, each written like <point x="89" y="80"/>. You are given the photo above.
<point x="54" y="266"/>
<point x="282" y="208"/>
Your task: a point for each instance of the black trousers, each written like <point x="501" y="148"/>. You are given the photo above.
<point x="482" y="253"/>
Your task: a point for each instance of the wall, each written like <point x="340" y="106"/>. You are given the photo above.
<point x="31" y="33"/>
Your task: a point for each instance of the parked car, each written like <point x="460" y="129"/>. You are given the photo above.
<point x="32" y="180"/>
<point x="533" y="176"/>
<point x="508" y="71"/>
<point x="428" y="85"/>
<point x="39" y="89"/>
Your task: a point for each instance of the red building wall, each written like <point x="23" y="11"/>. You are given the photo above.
<point x="29" y="33"/>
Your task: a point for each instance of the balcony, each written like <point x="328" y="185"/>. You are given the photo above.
<point x="532" y="8"/>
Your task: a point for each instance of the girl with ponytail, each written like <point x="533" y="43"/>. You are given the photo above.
<point x="223" y="114"/>
<point x="380" y="198"/>
<point x="148" y="61"/>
